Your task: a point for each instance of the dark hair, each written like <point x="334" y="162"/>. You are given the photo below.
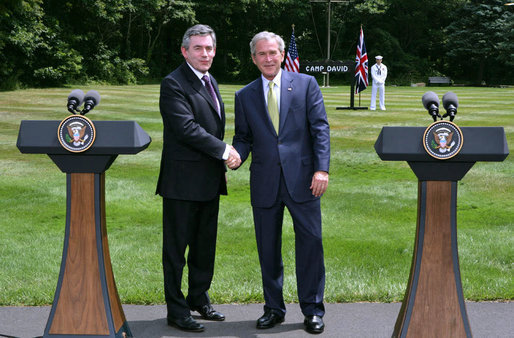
<point x="201" y="30"/>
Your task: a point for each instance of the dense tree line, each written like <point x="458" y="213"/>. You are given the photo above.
<point x="55" y="42"/>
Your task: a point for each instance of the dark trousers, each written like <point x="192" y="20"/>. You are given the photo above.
<point x="193" y="224"/>
<point x="310" y="267"/>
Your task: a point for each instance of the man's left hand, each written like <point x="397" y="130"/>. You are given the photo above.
<point x="319" y="183"/>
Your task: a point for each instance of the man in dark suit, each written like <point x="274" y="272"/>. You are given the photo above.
<point x="192" y="177"/>
<point x="290" y="147"/>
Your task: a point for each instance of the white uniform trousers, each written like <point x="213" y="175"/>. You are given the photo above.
<point x="381" y="93"/>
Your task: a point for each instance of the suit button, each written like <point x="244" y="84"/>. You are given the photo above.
<point x="279" y="142"/>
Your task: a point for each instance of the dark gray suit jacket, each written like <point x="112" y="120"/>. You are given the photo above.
<point x="191" y="165"/>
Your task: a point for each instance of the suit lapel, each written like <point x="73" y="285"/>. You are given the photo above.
<point x="286" y="97"/>
<point x="197" y="85"/>
<point x="260" y="104"/>
<point x="218" y="95"/>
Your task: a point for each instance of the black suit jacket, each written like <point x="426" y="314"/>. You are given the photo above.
<point x="192" y="167"/>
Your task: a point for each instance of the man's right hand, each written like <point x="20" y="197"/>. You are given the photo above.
<point x="234" y="160"/>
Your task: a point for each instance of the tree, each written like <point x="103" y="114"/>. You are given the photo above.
<point x="150" y="26"/>
<point x="410" y="35"/>
<point x="54" y="42"/>
<point x="481" y="42"/>
<point x="94" y="30"/>
<point x="21" y="37"/>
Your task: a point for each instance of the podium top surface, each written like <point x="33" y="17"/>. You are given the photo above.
<point x="406" y="144"/>
<point x="112" y="138"/>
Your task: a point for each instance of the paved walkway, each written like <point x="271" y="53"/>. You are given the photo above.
<point x="487" y="319"/>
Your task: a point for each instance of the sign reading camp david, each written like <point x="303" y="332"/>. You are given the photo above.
<point x="327" y="66"/>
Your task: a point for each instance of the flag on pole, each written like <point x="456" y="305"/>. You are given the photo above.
<point x="292" y="59"/>
<point x="361" y="67"/>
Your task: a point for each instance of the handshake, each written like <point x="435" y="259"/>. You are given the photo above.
<point x="234" y="160"/>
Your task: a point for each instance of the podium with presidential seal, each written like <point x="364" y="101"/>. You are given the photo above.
<point x="440" y="155"/>
<point x="86" y="301"/>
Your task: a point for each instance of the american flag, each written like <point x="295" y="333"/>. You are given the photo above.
<point x="361" y="67"/>
<point x="292" y="59"/>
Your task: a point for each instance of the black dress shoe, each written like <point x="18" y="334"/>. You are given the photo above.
<point x="314" y="324"/>
<point x="270" y="319"/>
<point x="186" y="324"/>
<point x="209" y="313"/>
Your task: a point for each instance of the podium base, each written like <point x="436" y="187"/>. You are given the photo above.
<point x="434" y="303"/>
<point x="86" y="301"/>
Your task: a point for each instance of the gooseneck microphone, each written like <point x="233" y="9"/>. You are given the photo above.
<point x="91" y="100"/>
<point x="431" y="103"/>
<point x="450" y="104"/>
<point x="75" y="100"/>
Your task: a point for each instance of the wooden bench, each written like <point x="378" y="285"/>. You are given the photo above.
<point x="439" y="80"/>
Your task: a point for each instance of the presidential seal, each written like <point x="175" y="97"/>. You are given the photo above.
<point x="76" y="133"/>
<point x="442" y="140"/>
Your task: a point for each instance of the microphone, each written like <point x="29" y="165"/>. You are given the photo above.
<point x="91" y="100"/>
<point x="75" y="100"/>
<point x="431" y="103"/>
<point x="450" y="104"/>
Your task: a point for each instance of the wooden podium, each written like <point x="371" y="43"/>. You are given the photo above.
<point x="86" y="301"/>
<point x="434" y="305"/>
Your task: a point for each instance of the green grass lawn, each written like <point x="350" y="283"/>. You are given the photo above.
<point x="369" y="210"/>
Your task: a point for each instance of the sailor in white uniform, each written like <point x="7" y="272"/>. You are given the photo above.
<point x="379" y="75"/>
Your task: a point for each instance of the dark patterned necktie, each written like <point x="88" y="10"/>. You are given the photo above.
<point x="208" y="85"/>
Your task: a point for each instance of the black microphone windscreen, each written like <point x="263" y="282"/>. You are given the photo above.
<point x="450" y="99"/>
<point x="78" y="95"/>
<point x="429" y="98"/>
<point x="93" y="94"/>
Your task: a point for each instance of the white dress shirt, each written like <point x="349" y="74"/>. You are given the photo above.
<point x="276" y="88"/>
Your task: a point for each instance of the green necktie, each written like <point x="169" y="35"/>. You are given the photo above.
<point x="273" y="106"/>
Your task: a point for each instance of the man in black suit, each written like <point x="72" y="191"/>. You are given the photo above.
<point x="192" y="177"/>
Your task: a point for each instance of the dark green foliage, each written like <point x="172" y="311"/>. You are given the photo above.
<point x="56" y="42"/>
<point x="21" y="24"/>
<point x="481" y="42"/>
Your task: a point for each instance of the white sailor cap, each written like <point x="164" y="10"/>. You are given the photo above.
<point x="378" y="57"/>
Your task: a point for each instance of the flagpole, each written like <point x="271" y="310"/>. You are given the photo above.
<point x="359" y="107"/>
<point x="328" y="43"/>
<point x="292" y="27"/>
<point x="353" y="83"/>
<point x="329" y="2"/>
<point x="292" y="60"/>
<point x="359" y="90"/>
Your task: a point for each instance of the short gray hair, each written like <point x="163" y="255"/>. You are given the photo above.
<point x="201" y="30"/>
<point x="269" y="36"/>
